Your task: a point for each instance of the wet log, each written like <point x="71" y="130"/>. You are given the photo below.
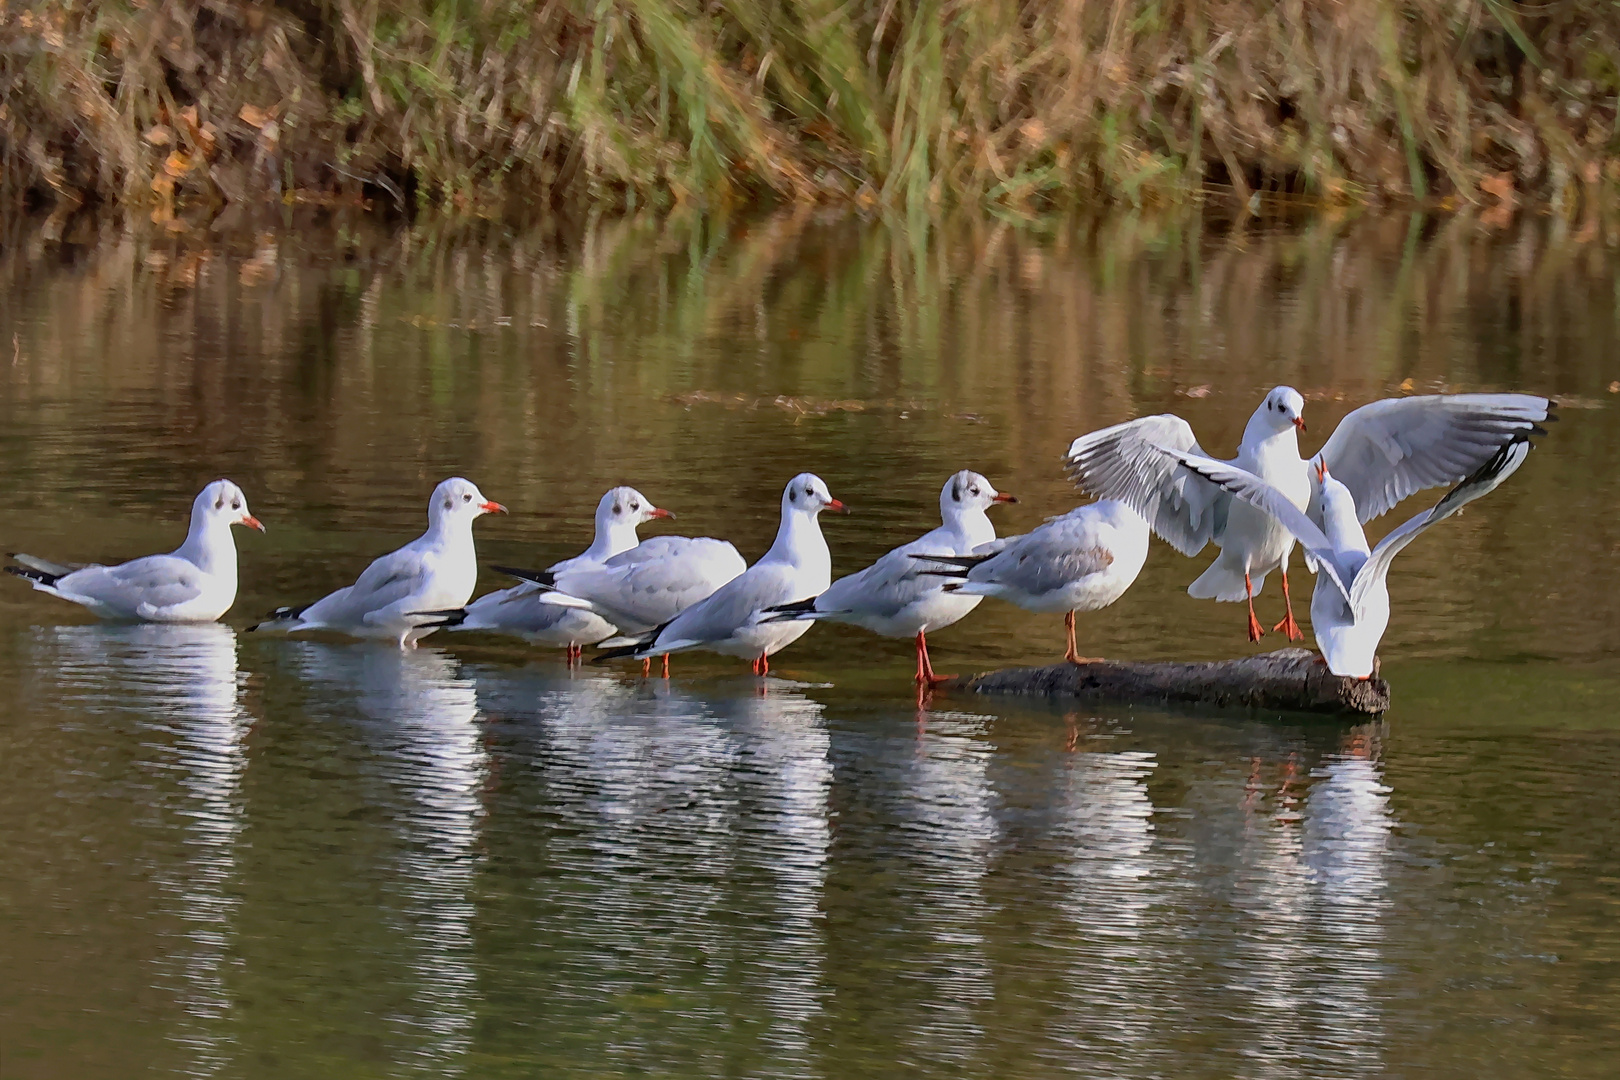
<point x="1288" y="680"/>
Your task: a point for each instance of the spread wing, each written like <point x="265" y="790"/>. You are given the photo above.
<point x="1485" y="479"/>
<point x="1389" y="449"/>
<point x="1122" y="462"/>
<point x="1256" y="492"/>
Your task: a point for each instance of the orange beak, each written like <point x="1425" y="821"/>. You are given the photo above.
<point x="1003" y="497"/>
<point x="660" y="512"/>
<point x="836" y="504"/>
<point x="1321" y="471"/>
<point x="492" y="508"/>
<point x="253" y="523"/>
<point x="1299" y="422"/>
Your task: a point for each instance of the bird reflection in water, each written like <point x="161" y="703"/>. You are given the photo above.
<point x="1316" y="901"/>
<point x="1122" y="948"/>
<point x="182" y="680"/>
<point x="946" y="810"/>
<point x="423" y="721"/>
<point x="686" y="872"/>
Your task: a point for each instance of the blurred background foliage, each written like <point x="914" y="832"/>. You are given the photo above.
<point x="913" y="105"/>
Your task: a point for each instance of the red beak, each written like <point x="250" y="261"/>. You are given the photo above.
<point x="1003" y="497"/>
<point x="1299" y="422"/>
<point x="1321" y="471"/>
<point x="492" y="508"/>
<point x="253" y="523"/>
<point x="835" y="504"/>
<point x="660" y="512"/>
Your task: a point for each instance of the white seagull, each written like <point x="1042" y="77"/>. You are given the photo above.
<point x="1382" y="452"/>
<point x="1350" y="607"/>
<point x="896" y="596"/>
<point x="1081" y="561"/>
<point x="733" y="621"/>
<point x="640" y="589"/>
<point x="195" y="583"/>
<point x="521" y="610"/>
<point x="435" y="571"/>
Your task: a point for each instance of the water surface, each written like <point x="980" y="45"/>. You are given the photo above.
<point x="232" y="856"/>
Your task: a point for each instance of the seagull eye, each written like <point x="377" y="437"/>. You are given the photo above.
<point x="466" y="498"/>
<point x="635" y="506"/>
<point x="236" y="506"/>
<point x="973" y="491"/>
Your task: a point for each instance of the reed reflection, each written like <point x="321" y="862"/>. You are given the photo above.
<point x="182" y="682"/>
<point x="420" y="719"/>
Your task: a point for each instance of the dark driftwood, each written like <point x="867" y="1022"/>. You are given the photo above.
<point x="1290" y="680"/>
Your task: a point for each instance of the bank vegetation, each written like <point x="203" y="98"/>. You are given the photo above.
<point x="180" y="107"/>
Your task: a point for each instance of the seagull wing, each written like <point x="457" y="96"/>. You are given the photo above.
<point x="1122" y="462"/>
<point x="1387" y="450"/>
<point x="1483" y="480"/>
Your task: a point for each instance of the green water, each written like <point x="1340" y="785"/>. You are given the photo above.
<point x="231" y="856"/>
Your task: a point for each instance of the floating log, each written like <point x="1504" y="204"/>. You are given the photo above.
<point x="1288" y="680"/>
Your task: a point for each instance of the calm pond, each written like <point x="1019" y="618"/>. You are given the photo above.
<point x="226" y="855"/>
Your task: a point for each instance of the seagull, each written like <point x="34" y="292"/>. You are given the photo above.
<point x="1350" y="607"/>
<point x="522" y="611"/>
<point x="733" y="620"/>
<point x="195" y="583"/>
<point x="896" y="596"/>
<point x="641" y="589"/>
<point x="1382" y="452"/>
<point x="436" y="570"/>
<point x="1081" y="561"/>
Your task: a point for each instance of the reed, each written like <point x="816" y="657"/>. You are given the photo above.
<point x="1020" y="106"/>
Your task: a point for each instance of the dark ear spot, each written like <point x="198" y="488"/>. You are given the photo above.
<point x="956" y="491"/>
<point x="448" y="503"/>
<point x="615" y="508"/>
<point x="219" y="503"/>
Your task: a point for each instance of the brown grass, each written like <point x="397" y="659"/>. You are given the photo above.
<point x="184" y="106"/>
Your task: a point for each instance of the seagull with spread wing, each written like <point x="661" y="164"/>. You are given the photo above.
<point x="1350" y="606"/>
<point x="1381" y="453"/>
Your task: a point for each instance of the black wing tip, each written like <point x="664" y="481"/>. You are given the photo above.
<point x="291" y="611"/>
<point x="539" y="577"/>
<point x="442" y="617"/>
<point x="28" y="573"/>
<point x="623" y="652"/>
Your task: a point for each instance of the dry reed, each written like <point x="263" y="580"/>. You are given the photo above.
<point x="912" y="105"/>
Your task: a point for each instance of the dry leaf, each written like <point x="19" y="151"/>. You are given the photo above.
<point x="1501" y="186"/>
<point x="253" y="116"/>
<point x="1614" y="388"/>
<point x="177" y="164"/>
<point x="159" y="135"/>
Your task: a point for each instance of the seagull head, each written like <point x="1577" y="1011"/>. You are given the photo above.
<point x="627" y="506"/>
<point x="967" y="492"/>
<point x="807" y="494"/>
<point x="1283" y="408"/>
<point x="456" y="499"/>
<point x="224" y="501"/>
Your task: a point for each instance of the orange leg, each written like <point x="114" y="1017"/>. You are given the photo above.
<point x="646" y="666"/>
<point x="925" y="668"/>
<point x="764" y="664"/>
<point x="1071" y="651"/>
<point x="1288" y="625"/>
<point x="666" y="665"/>
<point x="1255" y="632"/>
